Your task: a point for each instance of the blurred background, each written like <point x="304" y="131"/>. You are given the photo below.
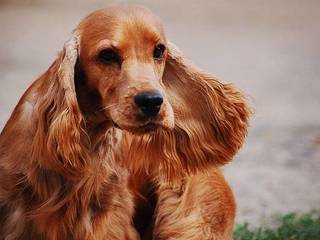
<point x="269" y="49"/>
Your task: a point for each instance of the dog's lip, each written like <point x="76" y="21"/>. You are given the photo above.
<point x="116" y="125"/>
<point x="150" y="126"/>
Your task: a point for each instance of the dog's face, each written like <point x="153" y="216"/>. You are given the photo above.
<point x="123" y="53"/>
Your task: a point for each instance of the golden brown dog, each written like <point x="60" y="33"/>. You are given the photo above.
<point x="121" y="138"/>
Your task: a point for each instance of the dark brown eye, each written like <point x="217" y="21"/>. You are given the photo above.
<point x="109" y="56"/>
<point x="159" y="51"/>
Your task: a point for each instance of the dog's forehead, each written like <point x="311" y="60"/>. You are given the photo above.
<point x="121" y="24"/>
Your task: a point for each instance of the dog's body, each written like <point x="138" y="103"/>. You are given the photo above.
<point x="121" y="138"/>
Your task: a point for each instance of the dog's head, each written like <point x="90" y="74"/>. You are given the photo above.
<point x="123" y="52"/>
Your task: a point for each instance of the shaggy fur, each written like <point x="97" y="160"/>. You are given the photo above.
<point x="79" y="161"/>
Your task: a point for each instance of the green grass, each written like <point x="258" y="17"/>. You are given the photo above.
<point x="290" y="227"/>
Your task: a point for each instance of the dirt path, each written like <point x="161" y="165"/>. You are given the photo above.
<point x="270" y="49"/>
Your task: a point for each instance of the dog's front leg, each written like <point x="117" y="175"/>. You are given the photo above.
<point x="199" y="207"/>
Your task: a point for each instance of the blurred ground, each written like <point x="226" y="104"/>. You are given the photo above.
<point x="270" y="49"/>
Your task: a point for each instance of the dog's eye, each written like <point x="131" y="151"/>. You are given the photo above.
<point x="159" y="51"/>
<point x="109" y="56"/>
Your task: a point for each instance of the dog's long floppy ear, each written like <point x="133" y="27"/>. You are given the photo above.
<point x="211" y="120"/>
<point x="211" y="117"/>
<point x="59" y="129"/>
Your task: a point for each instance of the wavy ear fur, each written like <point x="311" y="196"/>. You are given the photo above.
<point x="211" y="120"/>
<point x="59" y="129"/>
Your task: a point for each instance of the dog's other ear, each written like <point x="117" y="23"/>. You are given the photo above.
<point x="211" y="117"/>
<point x="60" y="120"/>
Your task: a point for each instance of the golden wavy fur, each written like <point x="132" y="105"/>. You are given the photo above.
<point x="79" y="159"/>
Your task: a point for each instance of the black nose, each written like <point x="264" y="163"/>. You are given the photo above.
<point x="149" y="103"/>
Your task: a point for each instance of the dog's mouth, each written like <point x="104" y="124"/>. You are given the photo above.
<point x="116" y="125"/>
<point x="148" y="127"/>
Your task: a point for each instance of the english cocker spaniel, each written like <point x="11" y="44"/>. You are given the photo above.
<point x="120" y="139"/>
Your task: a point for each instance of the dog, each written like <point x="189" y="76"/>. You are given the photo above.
<point x="121" y="138"/>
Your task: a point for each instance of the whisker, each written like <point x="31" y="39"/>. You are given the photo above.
<point x="105" y="108"/>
